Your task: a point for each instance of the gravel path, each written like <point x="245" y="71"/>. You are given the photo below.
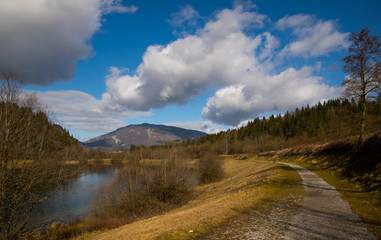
<point x="324" y="214"/>
<point x="258" y="224"/>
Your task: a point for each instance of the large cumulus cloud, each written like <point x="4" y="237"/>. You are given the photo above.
<point x="174" y="73"/>
<point x="41" y="40"/>
<point x="289" y="89"/>
<point x="234" y="55"/>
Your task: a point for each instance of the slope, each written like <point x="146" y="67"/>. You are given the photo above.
<point x="142" y="134"/>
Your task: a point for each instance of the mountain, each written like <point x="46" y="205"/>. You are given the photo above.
<point x="142" y="134"/>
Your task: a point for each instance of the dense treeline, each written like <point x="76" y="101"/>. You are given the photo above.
<point x="325" y="121"/>
<point x="330" y="120"/>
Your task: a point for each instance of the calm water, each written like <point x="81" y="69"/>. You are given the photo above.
<point x="73" y="200"/>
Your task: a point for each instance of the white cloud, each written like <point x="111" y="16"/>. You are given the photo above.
<point x="285" y="91"/>
<point x="295" y="21"/>
<point x="187" y="14"/>
<point x="174" y="73"/>
<point x="270" y="43"/>
<point x="81" y="111"/>
<point x="203" y="126"/>
<point x="238" y="64"/>
<point x="314" y="37"/>
<point x="43" y="40"/>
<point x="116" y="6"/>
<point x="244" y="4"/>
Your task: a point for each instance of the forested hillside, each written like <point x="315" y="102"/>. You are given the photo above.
<point x="27" y="133"/>
<point x="330" y="120"/>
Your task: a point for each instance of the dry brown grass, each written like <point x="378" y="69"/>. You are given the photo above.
<point x="103" y="161"/>
<point x="72" y="162"/>
<point x="246" y="184"/>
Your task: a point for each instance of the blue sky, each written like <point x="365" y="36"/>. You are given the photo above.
<point x="207" y="65"/>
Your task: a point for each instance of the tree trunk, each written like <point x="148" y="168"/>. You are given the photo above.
<point x="362" y="102"/>
<point x="362" y="125"/>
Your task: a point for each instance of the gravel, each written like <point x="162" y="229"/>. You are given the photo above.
<point x="322" y="215"/>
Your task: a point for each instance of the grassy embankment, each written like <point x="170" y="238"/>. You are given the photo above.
<point x="247" y="185"/>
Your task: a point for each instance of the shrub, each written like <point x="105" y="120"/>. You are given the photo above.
<point x="144" y="189"/>
<point x="210" y="168"/>
<point x="58" y="231"/>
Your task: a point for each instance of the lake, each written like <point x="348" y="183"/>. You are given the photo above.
<point x="72" y="201"/>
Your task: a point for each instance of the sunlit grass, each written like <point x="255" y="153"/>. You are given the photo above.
<point x="103" y="161"/>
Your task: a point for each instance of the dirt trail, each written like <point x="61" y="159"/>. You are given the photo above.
<point x="324" y="214"/>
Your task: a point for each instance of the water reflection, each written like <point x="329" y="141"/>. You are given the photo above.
<point x="72" y="200"/>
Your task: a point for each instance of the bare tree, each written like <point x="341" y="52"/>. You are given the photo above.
<point x="363" y="66"/>
<point x="28" y="176"/>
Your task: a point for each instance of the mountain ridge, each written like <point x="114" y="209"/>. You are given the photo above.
<point x="142" y="134"/>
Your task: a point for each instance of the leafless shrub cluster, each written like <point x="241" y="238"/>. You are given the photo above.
<point x="58" y="231"/>
<point x="146" y="187"/>
<point x="210" y="168"/>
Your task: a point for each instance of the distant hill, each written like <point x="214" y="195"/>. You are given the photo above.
<point x="142" y="134"/>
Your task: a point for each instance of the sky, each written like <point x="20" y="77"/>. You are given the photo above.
<point x="208" y="65"/>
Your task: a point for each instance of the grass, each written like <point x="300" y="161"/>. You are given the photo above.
<point x="103" y="161"/>
<point x="366" y="204"/>
<point x="247" y="184"/>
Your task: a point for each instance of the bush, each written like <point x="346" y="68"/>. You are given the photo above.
<point x="58" y="231"/>
<point x="210" y="168"/>
<point x="144" y="189"/>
